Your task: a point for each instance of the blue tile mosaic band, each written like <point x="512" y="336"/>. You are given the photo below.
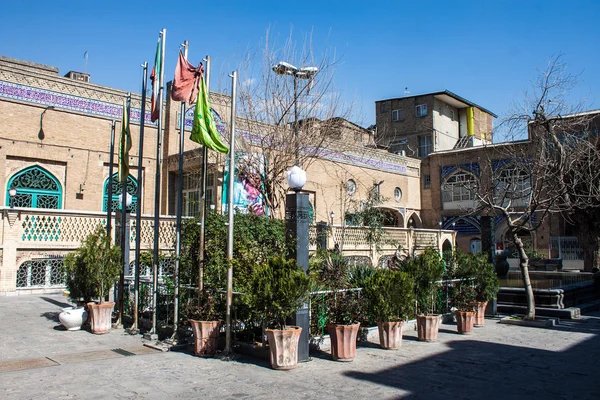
<point x="68" y="102"/>
<point x="465" y="225"/>
<point x="447" y="170"/>
<point x="328" y="154"/>
<point x="474" y="168"/>
<point x="189" y="120"/>
<point x="498" y="164"/>
<point x="335" y="155"/>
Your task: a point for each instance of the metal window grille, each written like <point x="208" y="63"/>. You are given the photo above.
<point x="41" y="273"/>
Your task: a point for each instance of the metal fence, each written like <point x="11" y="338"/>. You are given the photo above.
<point x="550" y="280"/>
<point x="567" y="247"/>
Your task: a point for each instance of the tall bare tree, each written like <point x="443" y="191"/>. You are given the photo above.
<point x="553" y="171"/>
<point x="288" y="118"/>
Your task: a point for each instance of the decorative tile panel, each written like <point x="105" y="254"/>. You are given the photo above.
<point x="64" y="101"/>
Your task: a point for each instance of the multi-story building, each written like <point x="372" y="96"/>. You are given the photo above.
<point x="433" y="122"/>
<point x="55" y="134"/>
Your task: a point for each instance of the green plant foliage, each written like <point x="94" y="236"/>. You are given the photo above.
<point x="209" y="306"/>
<point x="256" y="239"/>
<point x="464" y="298"/>
<point x="389" y="295"/>
<point x="369" y="214"/>
<point x="346" y="308"/>
<point x="480" y="273"/>
<point x="277" y="289"/>
<point x="359" y="274"/>
<point x="93" y="268"/>
<point x="330" y="271"/>
<point x="426" y="270"/>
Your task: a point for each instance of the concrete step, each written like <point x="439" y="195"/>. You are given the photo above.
<point x="565" y="313"/>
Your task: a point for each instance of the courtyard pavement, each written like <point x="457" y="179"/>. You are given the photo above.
<point x="40" y="361"/>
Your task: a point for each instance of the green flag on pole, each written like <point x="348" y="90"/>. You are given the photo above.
<point x="124" y="144"/>
<point x="204" y="130"/>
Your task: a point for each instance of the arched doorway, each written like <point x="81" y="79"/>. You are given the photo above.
<point x="414" y="221"/>
<point x="391" y="217"/>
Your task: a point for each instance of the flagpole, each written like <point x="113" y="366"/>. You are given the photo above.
<point x="110" y="174"/>
<point x="228" y="349"/>
<point x="179" y="207"/>
<point x="123" y="241"/>
<point x="203" y="194"/>
<point x="163" y="35"/>
<point x="138" y="217"/>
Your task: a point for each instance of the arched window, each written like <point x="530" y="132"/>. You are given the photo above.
<point x="132" y="188"/>
<point x="459" y="187"/>
<point x="513" y="183"/>
<point x="36" y="188"/>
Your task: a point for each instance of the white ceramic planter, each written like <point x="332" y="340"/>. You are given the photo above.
<point x="72" y="318"/>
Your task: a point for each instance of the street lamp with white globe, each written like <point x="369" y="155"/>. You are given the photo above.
<point x="296" y="178"/>
<point x="297" y="209"/>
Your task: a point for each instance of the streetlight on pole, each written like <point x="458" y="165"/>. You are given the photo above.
<point x="283" y="68"/>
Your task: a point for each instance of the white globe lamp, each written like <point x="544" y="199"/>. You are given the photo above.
<point x="296" y="178"/>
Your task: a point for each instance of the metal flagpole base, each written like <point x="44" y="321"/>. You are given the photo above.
<point x="150" y="336"/>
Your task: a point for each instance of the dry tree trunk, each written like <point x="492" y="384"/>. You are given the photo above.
<point x="524" y="267"/>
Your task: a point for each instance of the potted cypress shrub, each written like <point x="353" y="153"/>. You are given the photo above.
<point x="465" y="301"/>
<point x="344" y="313"/>
<point x="205" y="317"/>
<point x="426" y="270"/>
<point x="390" y="299"/>
<point x="483" y="279"/>
<point x="91" y="271"/>
<point x="278" y="288"/>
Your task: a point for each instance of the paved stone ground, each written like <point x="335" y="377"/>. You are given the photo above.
<point x="496" y="361"/>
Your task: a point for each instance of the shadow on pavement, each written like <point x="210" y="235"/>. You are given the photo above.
<point x="474" y="369"/>
<point x="56" y="302"/>
<point x="51" y="315"/>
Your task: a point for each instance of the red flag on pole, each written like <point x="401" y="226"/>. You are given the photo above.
<point x="186" y="81"/>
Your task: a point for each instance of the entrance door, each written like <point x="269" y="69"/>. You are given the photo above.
<point x="475" y="246"/>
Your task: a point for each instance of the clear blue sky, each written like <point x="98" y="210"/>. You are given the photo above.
<point x="485" y="51"/>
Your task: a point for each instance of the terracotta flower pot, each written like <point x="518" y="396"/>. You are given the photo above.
<point x="283" y="346"/>
<point x="464" y="321"/>
<point x="206" y="337"/>
<point x="480" y="313"/>
<point x="343" y="341"/>
<point x="390" y="334"/>
<point x="100" y="316"/>
<point x="427" y="327"/>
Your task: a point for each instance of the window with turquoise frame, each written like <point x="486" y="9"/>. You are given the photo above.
<point x="132" y="188"/>
<point x="36" y="188"/>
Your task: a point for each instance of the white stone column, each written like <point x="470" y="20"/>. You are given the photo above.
<point x="8" y="270"/>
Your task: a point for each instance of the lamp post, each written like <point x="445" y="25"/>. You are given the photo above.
<point x="331" y="217"/>
<point x="283" y="68"/>
<point x="297" y="219"/>
<point x="12" y="192"/>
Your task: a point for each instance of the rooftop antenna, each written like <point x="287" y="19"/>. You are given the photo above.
<point x="85" y="56"/>
<point x="406" y="91"/>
